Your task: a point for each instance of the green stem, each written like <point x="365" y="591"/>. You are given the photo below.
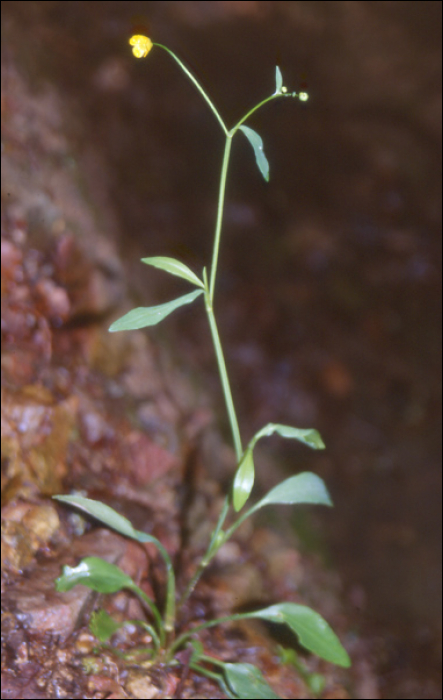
<point x="197" y="85"/>
<point x="204" y="671"/>
<point x="150" y="605"/>
<point x="214" y="546"/>
<point x="169" y="623"/>
<point x="254" y="109"/>
<point x="217" y="677"/>
<point x="216" y="540"/>
<point x="240" y="520"/>
<point x="220" y="207"/>
<point x="224" y="378"/>
<point x="186" y="635"/>
<point x="149" y="628"/>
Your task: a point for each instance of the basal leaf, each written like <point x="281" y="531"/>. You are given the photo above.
<point x="243" y="481"/>
<point x="151" y="315"/>
<point x="302" y="488"/>
<point x="174" y="267"/>
<point x="102" y="512"/>
<point x="108" y="516"/>
<point x="103" y="626"/>
<point x="257" y="144"/>
<point x="313" y="631"/>
<point x="97" y="574"/>
<point x="278" y="79"/>
<point x="247" y="681"/>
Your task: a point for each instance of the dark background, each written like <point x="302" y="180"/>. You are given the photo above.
<point x="329" y="290"/>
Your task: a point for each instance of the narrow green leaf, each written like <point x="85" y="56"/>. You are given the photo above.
<point x="302" y="488"/>
<point x="108" y="516"/>
<point x="174" y="267"/>
<point x="97" y="574"/>
<point x="313" y="631"/>
<point x="278" y="79"/>
<point x="102" y="512"/>
<point x="151" y="315"/>
<point x="243" y="481"/>
<point x="257" y="144"/>
<point x="247" y="681"/>
<point x="308" y="436"/>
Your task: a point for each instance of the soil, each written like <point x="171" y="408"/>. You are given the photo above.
<point x="106" y="160"/>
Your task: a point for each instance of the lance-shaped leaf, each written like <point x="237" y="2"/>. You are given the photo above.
<point x="257" y="144"/>
<point x="110" y="517"/>
<point x="174" y="267"/>
<point x="97" y="574"/>
<point x="243" y="480"/>
<point x="308" y="436"/>
<point x="306" y="487"/>
<point x="244" y="477"/>
<point x="312" y="630"/>
<point x="151" y="315"/>
<point x="246" y="681"/>
<point x="278" y="80"/>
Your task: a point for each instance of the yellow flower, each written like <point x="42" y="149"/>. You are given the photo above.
<point x="141" y="45"/>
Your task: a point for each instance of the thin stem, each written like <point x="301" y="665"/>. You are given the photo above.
<point x="224" y="378"/>
<point x="197" y="85"/>
<point x="217" y="540"/>
<point x="183" y="637"/>
<point x="150" y="605"/>
<point x="148" y="628"/>
<point x="240" y="520"/>
<point x="254" y="109"/>
<point x="214" y="546"/>
<point x="220" y="207"/>
<point x="170" y="589"/>
<point x="204" y="671"/>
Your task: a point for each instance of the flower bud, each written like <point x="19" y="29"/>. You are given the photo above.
<point x="141" y="45"/>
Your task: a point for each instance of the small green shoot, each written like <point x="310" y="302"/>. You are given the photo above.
<point x="237" y="680"/>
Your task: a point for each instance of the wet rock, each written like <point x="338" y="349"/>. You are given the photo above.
<point x="26" y="529"/>
<point x="36" y="431"/>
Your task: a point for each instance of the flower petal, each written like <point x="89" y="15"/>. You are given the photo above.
<point x="141" y="45"/>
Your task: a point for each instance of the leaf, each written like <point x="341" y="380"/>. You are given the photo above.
<point x="302" y="488"/>
<point x="313" y="631"/>
<point x="197" y="650"/>
<point x="308" y="436"/>
<point x="103" y="626"/>
<point x="151" y="315"/>
<point x="174" y="267"/>
<point x="243" y="481"/>
<point x="97" y="574"/>
<point x="108" y="516"/>
<point x="257" y="144"/>
<point x="247" y="681"/>
<point x="102" y="512"/>
<point x="278" y="80"/>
